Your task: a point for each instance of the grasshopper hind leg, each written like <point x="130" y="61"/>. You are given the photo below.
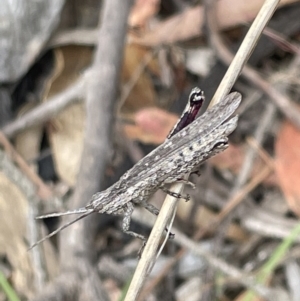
<point x="126" y="224"/>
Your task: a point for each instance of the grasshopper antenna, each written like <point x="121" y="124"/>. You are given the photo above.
<point x="76" y="211"/>
<point x="83" y="210"/>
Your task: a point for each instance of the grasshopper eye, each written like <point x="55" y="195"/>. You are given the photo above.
<point x="221" y="143"/>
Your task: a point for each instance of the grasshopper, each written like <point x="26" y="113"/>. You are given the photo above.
<point x="188" y="145"/>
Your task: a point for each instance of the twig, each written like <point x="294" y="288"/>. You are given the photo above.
<point x="47" y="110"/>
<point x="79" y="276"/>
<point x="282" y="41"/>
<point x="86" y="37"/>
<point x="252" y="37"/>
<point x="149" y="253"/>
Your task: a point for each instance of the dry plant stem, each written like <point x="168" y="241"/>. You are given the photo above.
<point x="101" y="102"/>
<point x="47" y="110"/>
<point x="79" y="279"/>
<point x="246" y="47"/>
<point x="276" y="36"/>
<point x="169" y="206"/>
<point x="287" y="107"/>
<point x="148" y="257"/>
<point x="234" y="201"/>
<point x="236" y="65"/>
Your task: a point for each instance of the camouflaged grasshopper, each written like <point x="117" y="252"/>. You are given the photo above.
<point x="189" y="144"/>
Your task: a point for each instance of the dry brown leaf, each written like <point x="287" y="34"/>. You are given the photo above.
<point x="70" y="63"/>
<point x="189" y="24"/>
<point x="66" y="138"/>
<point x="66" y="130"/>
<point x="152" y="125"/>
<point x="13" y="211"/>
<point x="14" y="208"/>
<point x="287" y="164"/>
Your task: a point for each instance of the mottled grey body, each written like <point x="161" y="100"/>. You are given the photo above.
<point x="168" y="163"/>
